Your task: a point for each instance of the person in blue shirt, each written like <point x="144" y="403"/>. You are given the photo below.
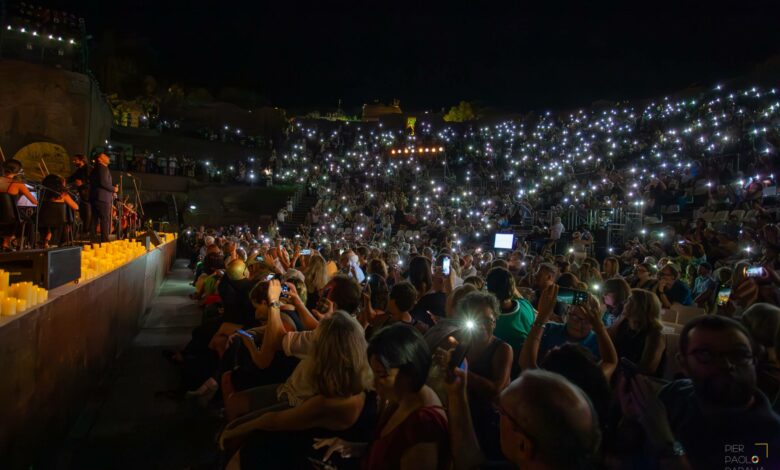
<point x="704" y="286"/>
<point x="582" y="326"/>
<point x="576" y="329"/>
<point x="670" y="289"/>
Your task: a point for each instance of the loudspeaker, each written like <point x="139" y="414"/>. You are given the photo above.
<point x="49" y="268"/>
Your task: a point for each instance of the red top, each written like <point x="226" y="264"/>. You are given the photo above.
<point x="426" y="425"/>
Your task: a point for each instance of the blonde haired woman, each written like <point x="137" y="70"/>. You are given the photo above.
<point x="638" y="335"/>
<point x="326" y="391"/>
<point x="316" y="274"/>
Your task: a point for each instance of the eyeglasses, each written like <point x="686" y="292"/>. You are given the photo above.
<point x="737" y="357"/>
<point x="515" y="425"/>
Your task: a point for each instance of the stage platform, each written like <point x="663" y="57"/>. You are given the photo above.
<point x="52" y="354"/>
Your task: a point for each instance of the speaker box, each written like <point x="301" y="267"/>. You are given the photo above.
<point x="49" y="268"/>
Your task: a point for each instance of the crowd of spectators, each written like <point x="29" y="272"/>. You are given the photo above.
<point x="712" y="151"/>
<point x="390" y="333"/>
<point x="350" y="354"/>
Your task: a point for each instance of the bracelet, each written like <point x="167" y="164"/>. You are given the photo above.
<point x="276" y="304"/>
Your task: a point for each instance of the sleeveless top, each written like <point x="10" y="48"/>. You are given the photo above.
<point x="631" y="345"/>
<point x="5" y="183"/>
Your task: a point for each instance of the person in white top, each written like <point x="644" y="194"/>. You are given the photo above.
<point x="557" y="229"/>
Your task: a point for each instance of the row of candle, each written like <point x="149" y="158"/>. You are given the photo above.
<point x="20" y="296"/>
<point x="100" y="258"/>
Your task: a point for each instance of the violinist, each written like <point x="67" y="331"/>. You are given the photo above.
<point x="10" y="185"/>
<point x="79" y="180"/>
<point x="53" y="218"/>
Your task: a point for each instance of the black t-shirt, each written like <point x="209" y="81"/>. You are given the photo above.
<point x="235" y="300"/>
<point x="711" y="441"/>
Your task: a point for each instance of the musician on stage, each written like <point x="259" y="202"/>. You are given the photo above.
<point x="52" y="226"/>
<point x="9" y="184"/>
<point x="80" y="181"/>
<point x="101" y="197"/>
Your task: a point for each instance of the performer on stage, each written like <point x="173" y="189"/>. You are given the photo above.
<point x="80" y="180"/>
<point x="9" y="219"/>
<point x="53" y="220"/>
<point x="101" y="197"/>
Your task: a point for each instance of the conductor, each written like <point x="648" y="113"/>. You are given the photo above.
<point x="101" y="197"/>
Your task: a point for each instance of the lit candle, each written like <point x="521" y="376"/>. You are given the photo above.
<point x="5" y="278"/>
<point x="9" y="306"/>
<point x="21" y="305"/>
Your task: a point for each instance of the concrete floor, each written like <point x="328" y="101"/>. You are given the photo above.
<point x="127" y="424"/>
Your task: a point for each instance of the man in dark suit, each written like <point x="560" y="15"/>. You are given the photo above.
<point x="80" y="179"/>
<point x="101" y="196"/>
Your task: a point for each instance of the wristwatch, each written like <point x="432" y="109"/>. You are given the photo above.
<point x="672" y="450"/>
<point x="276" y="304"/>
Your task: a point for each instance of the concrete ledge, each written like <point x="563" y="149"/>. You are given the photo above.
<point x="53" y="354"/>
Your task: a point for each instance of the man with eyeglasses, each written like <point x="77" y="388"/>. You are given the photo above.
<point x="546" y="422"/>
<point x="694" y="421"/>
<point x="671" y="289"/>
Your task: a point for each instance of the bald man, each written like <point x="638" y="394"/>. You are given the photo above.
<point x="546" y="423"/>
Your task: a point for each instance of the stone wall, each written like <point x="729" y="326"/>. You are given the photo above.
<point x="39" y="103"/>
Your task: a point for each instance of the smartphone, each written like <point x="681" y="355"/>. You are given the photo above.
<point x="755" y="271"/>
<point x="681" y="242"/>
<point x="572" y="296"/>
<point x="270" y="277"/>
<point x="285" y="291"/>
<point x="445" y="266"/>
<point x="723" y="295"/>
<point x="306" y="252"/>
<point x="458" y="356"/>
<point x="245" y="333"/>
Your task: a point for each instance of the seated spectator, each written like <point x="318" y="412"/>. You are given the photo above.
<point x="644" y="277"/>
<point x="516" y="313"/>
<point x="670" y="289"/>
<point x="490" y="363"/>
<point x="431" y="298"/>
<point x="763" y="322"/>
<point x="412" y="431"/>
<point x="615" y="293"/>
<point x="399" y="304"/>
<point x="704" y="287"/>
<point x="688" y="421"/>
<point x="546" y="422"/>
<point x="638" y="336"/>
<point x="338" y="377"/>
<point x="581" y="322"/>
<point x="611" y="268"/>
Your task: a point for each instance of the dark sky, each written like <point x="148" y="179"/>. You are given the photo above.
<point x="520" y="56"/>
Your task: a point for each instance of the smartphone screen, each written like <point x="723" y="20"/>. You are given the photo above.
<point x="245" y="333"/>
<point x="306" y="252"/>
<point x="445" y="266"/>
<point x="285" y="291"/>
<point x="571" y="296"/>
<point x="754" y="271"/>
<point x="723" y="295"/>
<point x="270" y="276"/>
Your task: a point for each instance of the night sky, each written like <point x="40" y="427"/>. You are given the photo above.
<point x="430" y="55"/>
